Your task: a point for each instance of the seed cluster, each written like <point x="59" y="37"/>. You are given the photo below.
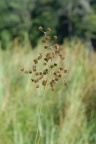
<point x="51" y="72"/>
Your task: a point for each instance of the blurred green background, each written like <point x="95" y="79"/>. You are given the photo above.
<point x="67" y="18"/>
<point x="68" y="114"/>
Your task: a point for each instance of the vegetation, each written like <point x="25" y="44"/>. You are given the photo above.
<point x="67" y="18"/>
<point x="60" y="108"/>
<point x="68" y="114"/>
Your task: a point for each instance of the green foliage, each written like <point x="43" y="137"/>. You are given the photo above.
<point x="24" y="16"/>
<point x="68" y="114"/>
<point x="15" y="17"/>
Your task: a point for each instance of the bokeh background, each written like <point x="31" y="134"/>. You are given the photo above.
<point x="68" y="115"/>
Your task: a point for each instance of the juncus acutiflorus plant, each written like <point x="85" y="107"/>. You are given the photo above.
<point x="51" y="72"/>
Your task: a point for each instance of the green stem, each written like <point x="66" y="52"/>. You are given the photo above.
<point x="37" y="133"/>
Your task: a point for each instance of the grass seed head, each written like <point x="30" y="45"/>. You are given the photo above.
<point x="51" y="69"/>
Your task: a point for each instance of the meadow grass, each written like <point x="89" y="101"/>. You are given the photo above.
<point x="68" y="114"/>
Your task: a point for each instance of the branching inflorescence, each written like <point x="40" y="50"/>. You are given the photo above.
<point x="50" y="67"/>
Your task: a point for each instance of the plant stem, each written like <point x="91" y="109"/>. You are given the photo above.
<point x="37" y="133"/>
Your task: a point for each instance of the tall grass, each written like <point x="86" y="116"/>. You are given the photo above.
<point x="69" y="113"/>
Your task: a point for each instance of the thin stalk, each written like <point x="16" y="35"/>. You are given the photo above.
<point x="40" y="112"/>
<point x="37" y="133"/>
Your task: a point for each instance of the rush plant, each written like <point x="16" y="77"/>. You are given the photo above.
<point x="51" y="72"/>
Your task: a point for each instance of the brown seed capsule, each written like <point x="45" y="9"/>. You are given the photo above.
<point x="65" y="83"/>
<point x="55" y="73"/>
<point x="44" y="63"/>
<point x="52" y="89"/>
<point x="44" y="40"/>
<point x="47" y="38"/>
<point x="45" y="71"/>
<point x="37" y="73"/>
<point x="56" y="46"/>
<point x="56" y="79"/>
<point x="40" y="53"/>
<point x="46" y="47"/>
<point x="40" y="73"/>
<point x="26" y="72"/>
<point x="59" y="75"/>
<point x="30" y="71"/>
<point x="44" y="82"/>
<point x="61" y="68"/>
<point x="59" y="71"/>
<point x="58" y="52"/>
<point x="51" y="56"/>
<point x="65" y="71"/>
<point x="52" y="84"/>
<point x="36" y="80"/>
<point x="48" y="55"/>
<point x="48" y="29"/>
<point x="51" y="66"/>
<point x="37" y="86"/>
<point x="39" y="57"/>
<point x="40" y="77"/>
<point x="55" y="37"/>
<point x="53" y="53"/>
<point x="46" y="59"/>
<point x="34" y="68"/>
<point x="55" y="64"/>
<point x="40" y="28"/>
<point x="62" y="58"/>
<point x="32" y="80"/>
<point x="35" y="61"/>
<point x="22" y="69"/>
